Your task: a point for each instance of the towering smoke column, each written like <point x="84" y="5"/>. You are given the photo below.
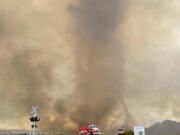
<point x="98" y="56"/>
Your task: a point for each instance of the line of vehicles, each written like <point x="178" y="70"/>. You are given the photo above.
<point x="94" y="130"/>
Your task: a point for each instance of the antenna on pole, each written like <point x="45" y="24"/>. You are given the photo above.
<point x="34" y="119"/>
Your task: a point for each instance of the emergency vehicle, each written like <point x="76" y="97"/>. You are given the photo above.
<point x="89" y="130"/>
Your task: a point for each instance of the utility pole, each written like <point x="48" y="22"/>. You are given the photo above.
<point x="34" y="119"/>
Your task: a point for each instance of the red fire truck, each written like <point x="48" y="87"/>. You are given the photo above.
<point x="89" y="130"/>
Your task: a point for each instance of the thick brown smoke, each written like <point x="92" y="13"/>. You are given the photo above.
<point x="107" y="62"/>
<point x="99" y="59"/>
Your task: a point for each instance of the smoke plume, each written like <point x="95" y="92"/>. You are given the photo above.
<point x="112" y="63"/>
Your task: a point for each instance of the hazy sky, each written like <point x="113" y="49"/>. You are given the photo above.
<point x="109" y="62"/>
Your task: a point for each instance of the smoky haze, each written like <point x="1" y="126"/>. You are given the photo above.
<point x="104" y="62"/>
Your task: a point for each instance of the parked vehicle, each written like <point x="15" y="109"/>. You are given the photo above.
<point x="89" y="130"/>
<point x="121" y="131"/>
